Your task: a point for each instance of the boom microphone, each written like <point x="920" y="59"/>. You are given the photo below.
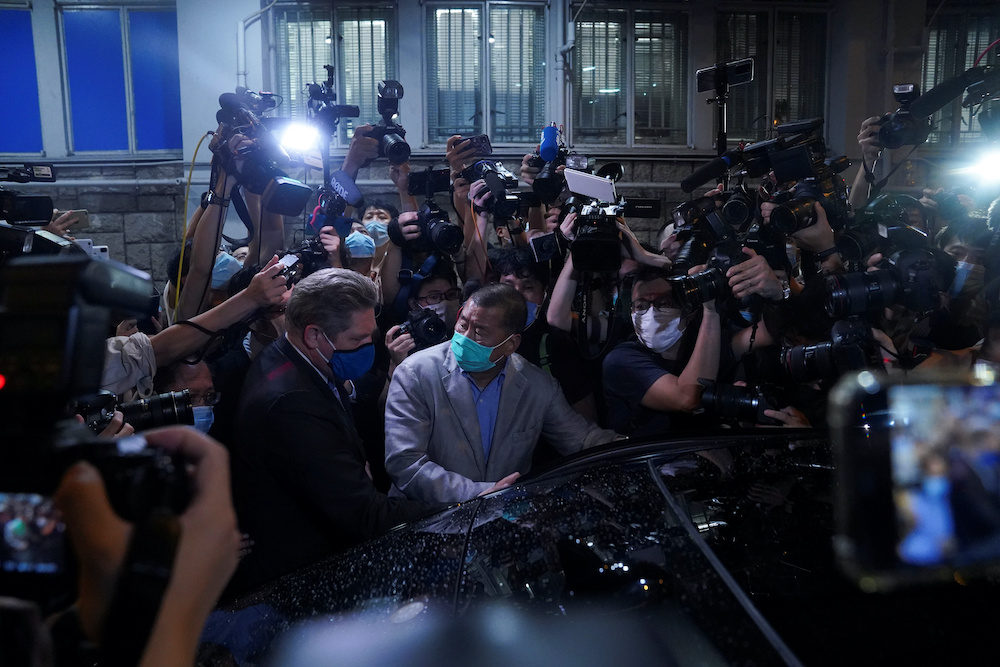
<point x="940" y="95"/>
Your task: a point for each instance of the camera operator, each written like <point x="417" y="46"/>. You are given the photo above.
<point x="871" y="149"/>
<point x="651" y="383"/>
<point x="206" y="556"/>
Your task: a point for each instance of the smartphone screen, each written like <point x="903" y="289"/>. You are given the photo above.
<point x="33" y="534"/>
<point x="945" y="467"/>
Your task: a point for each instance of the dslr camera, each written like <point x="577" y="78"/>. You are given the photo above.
<point x="437" y="233"/>
<point x="504" y="204"/>
<point x="851" y="348"/>
<point x="745" y="404"/>
<point x="165" y="409"/>
<point x="902" y="128"/>
<point x="389" y="133"/>
<point x="910" y="278"/>
<point x="426" y="328"/>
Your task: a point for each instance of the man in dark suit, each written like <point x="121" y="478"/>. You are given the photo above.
<point x="300" y="484"/>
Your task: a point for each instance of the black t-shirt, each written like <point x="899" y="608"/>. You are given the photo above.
<point x="629" y="371"/>
<point x="556" y="352"/>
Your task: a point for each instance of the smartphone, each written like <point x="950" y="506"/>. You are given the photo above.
<point x="82" y="220"/>
<point x="481" y="142"/>
<point x="918" y="462"/>
<point x="33" y="535"/>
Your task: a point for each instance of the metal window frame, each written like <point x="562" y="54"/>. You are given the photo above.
<point x="124" y="11"/>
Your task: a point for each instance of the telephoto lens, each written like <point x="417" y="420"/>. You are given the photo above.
<point x="692" y="291"/>
<point x="793" y="215"/>
<point x="745" y="404"/>
<point x="855" y="293"/>
<point x="162" y="410"/>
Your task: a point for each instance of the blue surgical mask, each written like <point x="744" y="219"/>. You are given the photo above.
<point x="379" y="232"/>
<point x="351" y="364"/>
<point x="471" y="356"/>
<point x="360" y="245"/>
<point x="532" y="312"/>
<point x="962" y="271"/>
<point x="204" y="417"/>
<point x="226" y="266"/>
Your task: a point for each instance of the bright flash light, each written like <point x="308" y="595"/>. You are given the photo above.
<point x="299" y="137"/>
<point x="986" y="169"/>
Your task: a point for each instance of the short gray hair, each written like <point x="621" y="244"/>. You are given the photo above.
<point x="329" y="299"/>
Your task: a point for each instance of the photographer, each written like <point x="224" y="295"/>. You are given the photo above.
<point x="206" y="556"/>
<point x="651" y="383"/>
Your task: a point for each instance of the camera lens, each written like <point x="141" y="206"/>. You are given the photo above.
<point x="860" y="242"/>
<point x="445" y="236"/>
<point x="854" y="293"/>
<point x="161" y="410"/>
<point x="395" y="148"/>
<point x="730" y="402"/>
<point x="808" y="363"/>
<point x="794" y="215"/>
<point x="548" y="183"/>
<point x="692" y="291"/>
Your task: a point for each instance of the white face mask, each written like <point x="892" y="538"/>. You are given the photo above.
<point x="440" y="309"/>
<point x="659" y="331"/>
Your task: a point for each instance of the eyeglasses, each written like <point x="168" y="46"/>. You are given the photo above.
<point x="211" y="398"/>
<point x="437" y="297"/>
<point x="662" y="304"/>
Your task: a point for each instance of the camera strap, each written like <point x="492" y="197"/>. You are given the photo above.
<point x="876" y="188"/>
<point x="409" y="282"/>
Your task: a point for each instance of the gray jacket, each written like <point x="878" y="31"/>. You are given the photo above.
<point x="433" y="449"/>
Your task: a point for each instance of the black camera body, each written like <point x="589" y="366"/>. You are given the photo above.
<point x="308" y="258"/>
<point x="597" y="246"/>
<point x="745" y="404"/>
<point x="166" y="409"/>
<point x="390" y="134"/>
<point x="258" y="168"/>
<point x="504" y="204"/>
<point x="902" y="128"/>
<point x="549" y="183"/>
<point x="851" y="347"/>
<point x="426" y="328"/>
<point x="437" y="233"/>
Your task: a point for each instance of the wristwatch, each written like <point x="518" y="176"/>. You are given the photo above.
<point x="786" y="289"/>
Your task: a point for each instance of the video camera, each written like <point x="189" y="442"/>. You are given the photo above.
<point x="597" y="247"/>
<point x="322" y="105"/>
<point x="55" y="312"/>
<point x="308" y="258"/>
<point x="391" y="144"/>
<point x="258" y="167"/>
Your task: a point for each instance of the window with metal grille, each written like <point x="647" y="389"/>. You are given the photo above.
<point x="510" y="37"/>
<point x="955" y="41"/>
<point x="789" y="52"/>
<point x="610" y="107"/>
<point x="122" y="78"/>
<point x="364" y="44"/>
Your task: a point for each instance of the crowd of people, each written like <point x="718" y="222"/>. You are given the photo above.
<point x="393" y="376"/>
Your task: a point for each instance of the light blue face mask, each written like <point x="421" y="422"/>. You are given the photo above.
<point x="379" y="232"/>
<point x="360" y="245"/>
<point x="226" y="266"/>
<point x="204" y="417"/>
